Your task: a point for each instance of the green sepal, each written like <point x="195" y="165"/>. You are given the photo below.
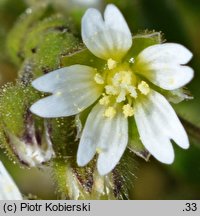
<point x="14" y="101"/>
<point x="83" y="57"/>
<point x="84" y="183"/>
<point x="124" y="176"/>
<point x="142" y="41"/>
<point x="63" y="136"/>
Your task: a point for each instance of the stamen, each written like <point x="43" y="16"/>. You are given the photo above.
<point x="144" y="88"/>
<point x="111" y="90"/>
<point x="132" y="91"/>
<point x="105" y="100"/>
<point x="122" y="96"/>
<point x="116" y="80"/>
<point x="122" y="78"/>
<point x="99" y="79"/>
<point x="128" y="110"/>
<point x="111" y="64"/>
<point x="126" y="77"/>
<point x="110" y="112"/>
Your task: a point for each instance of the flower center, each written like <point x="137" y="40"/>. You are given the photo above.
<point x="122" y="87"/>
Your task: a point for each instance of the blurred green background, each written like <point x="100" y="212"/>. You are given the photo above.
<point x="179" y="21"/>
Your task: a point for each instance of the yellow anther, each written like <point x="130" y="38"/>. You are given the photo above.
<point x="111" y="90"/>
<point x="111" y="64"/>
<point x="110" y="112"/>
<point x="98" y="79"/>
<point x="144" y="88"/>
<point x="128" y="110"/>
<point x="105" y="100"/>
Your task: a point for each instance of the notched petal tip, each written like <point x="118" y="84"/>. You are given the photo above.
<point x="102" y="171"/>
<point x="110" y="136"/>
<point x="81" y="162"/>
<point x="166" y="156"/>
<point x="105" y="37"/>
<point x="165" y="65"/>
<point x="176" y="78"/>
<point x="184" y="142"/>
<point x="180" y="53"/>
<point x="158" y="124"/>
<point x="169" y="160"/>
<point x="105" y="168"/>
<point x="37" y="84"/>
<point x="84" y="156"/>
<point x="36" y="109"/>
<point x="185" y="54"/>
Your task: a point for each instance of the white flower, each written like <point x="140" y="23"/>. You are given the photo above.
<point x="123" y="90"/>
<point x="8" y="189"/>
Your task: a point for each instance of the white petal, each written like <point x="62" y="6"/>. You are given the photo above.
<point x="166" y="53"/>
<point x="109" y="136"/>
<point x="73" y="88"/>
<point x="63" y="77"/>
<point x="168" y="76"/>
<point x="90" y="135"/>
<point x="108" y="38"/>
<point x="158" y="123"/>
<point x="163" y="65"/>
<point x="117" y="139"/>
<point x="8" y="189"/>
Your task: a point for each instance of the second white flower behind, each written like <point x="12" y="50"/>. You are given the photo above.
<point x="8" y="188"/>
